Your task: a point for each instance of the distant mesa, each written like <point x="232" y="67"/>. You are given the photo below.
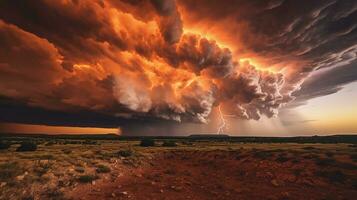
<point x="209" y="136"/>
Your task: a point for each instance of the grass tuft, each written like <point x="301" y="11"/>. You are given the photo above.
<point x="147" y="142"/>
<point x="66" y="151"/>
<point x="262" y="154"/>
<point x="79" y="169"/>
<point x="282" y="158"/>
<point x="27" y="146"/>
<point x="4" y="145"/>
<point x="325" y="162"/>
<point x="335" y="176"/>
<point x="87" y="178"/>
<point x="308" y="148"/>
<point x="102" y="169"/>
<point x="125" y="153"/>
<point x="169" y="143"/>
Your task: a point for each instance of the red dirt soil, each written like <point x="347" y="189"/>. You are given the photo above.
<point x="183" y="174"/>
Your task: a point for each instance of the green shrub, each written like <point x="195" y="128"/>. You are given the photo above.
<point x="187" y="143"/>
<point x="344" y="165"/>
<point x="282" y="159"/>
<point x="325" y="161"/>
<point x="125" y="153"/>
<point x="311" y="156"/>
<point x="27" y="146"/>
<point x="335" y="176"/>
<point x="87" y="178"/>
<point x="262" y="154"/>
<point x="102" y="169"/>
<point x="78" y="142"/>
<point x="169" y="143"/>
<point x="4" y="145"/>
<point x="90" y="142"/>
<point x="147" y="142"/>
<point x="50" y="143"/>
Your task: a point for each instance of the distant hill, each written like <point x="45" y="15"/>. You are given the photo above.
<point x="208" y="136"/>
<point x="351" y="139"/>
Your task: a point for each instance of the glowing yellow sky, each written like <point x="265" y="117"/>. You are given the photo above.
<point x="336" y="113"/>
<point x="43" y="129"/>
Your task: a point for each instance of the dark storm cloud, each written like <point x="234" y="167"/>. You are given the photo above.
<point x="22" y="54"/>
<point x="123" y="61"/>
<point x="309" y="30"/>
<point x="19" y="112"/>
<point x="328" y="81"/>
<point x="315" y="34"/>
<point x="170" y="22"/>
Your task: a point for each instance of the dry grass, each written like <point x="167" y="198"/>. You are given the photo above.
<point x="63" y="164"/>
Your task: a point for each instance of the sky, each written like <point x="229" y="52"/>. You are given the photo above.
<point x="178" y="67"/>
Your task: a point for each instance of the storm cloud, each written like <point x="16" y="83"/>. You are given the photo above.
<point x="155" y="60"/>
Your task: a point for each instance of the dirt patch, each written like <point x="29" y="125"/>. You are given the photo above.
<point x="223" y="174"/>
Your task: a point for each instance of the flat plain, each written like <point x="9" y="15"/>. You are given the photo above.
<point x="176" y="169"/>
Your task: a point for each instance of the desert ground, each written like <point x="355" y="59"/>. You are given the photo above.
<point x="177" y="169"/>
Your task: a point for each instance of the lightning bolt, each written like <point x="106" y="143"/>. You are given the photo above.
<point x="222" y="126"/>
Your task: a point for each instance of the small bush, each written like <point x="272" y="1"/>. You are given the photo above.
<point x="311" y="156"/>
<point x="4" y="145"/>
<point x="261" y="154"/>
<point x="125" y="153"/>
<point x="147" y="142"/>
<point x="335" y="176"/>
<point x="67" y="151"/>
<point x="46" y="157"/>
<point x="79" y="169"/>
<point x="102" y="169"/>
<point x="169" y="143"/>
<point x="187" y="143"/>
<point x="87" y="178"/>
<point x="344" y="165"/>
<point x="329" y="154"/>
<point x="282" y="159"/>
<point x="54" y="194"/>
<point x="27" y="146"/>
<point x="50" y="143"/>
<point x="325" y="161"/>
<point x="309" y="148"/>
<point x="297" y="172"/>
<point x="42" y="168"/>
<point x="90" y="142"/>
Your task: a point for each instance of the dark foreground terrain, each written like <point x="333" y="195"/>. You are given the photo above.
<point x="77" y="168"/>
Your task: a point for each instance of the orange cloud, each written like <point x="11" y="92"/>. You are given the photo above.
<point x="167" y="62"/>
